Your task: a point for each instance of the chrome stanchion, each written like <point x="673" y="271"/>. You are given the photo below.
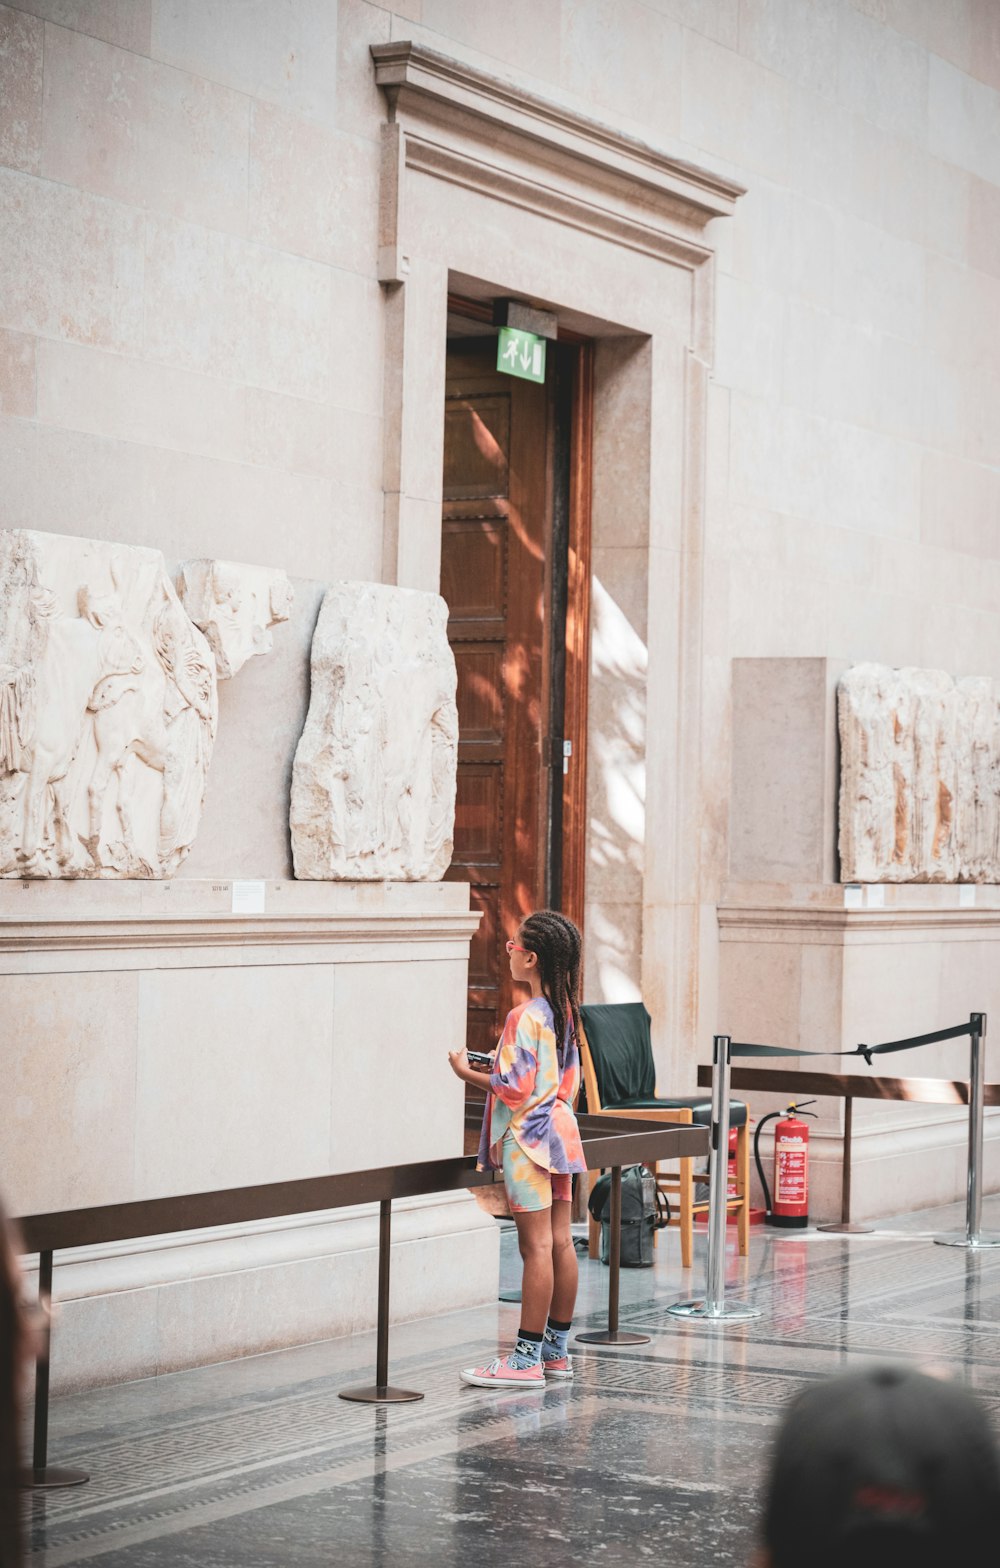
<point x="714" y="1308"/>
<point x="973" y="1236"/>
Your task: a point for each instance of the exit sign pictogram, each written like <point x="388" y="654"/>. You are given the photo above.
<point x="521" y="354"/>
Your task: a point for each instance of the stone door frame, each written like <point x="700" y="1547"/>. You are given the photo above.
<point x="487" y="187"/>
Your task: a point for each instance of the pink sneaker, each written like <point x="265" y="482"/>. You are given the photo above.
<point x="500" y="1374"/>
<point x="559" y="1368"/>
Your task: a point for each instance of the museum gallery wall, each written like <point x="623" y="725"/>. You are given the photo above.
<point x="109" y="710"/>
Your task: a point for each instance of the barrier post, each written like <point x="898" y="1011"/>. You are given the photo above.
<point x="714" y="1308"/>
<point x="973" y="1236"/>
<point x="613" y="1335"/>
<point x="379" y="1392"/>
<point x="43" y="1475"/>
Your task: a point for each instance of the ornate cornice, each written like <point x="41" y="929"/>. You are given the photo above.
<point x="462" y="125"/>
<point x="411" y="74"/>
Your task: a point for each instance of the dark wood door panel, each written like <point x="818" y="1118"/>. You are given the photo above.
<point x="478" y="817"/>
<point x="476" y="446"/>
<point x="480" y="1035"/>
<point x="484" y="961"/>
<point x="473" y="570"/>
<point x="493" y="577"/>
<point x="481" y="706"/>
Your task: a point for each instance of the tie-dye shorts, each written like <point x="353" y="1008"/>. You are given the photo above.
<point x="529" y="1187"/>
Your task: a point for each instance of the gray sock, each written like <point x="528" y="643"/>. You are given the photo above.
<point x="527" y="1352"/>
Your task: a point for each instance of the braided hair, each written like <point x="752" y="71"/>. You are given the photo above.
<point x="558" y="946"/>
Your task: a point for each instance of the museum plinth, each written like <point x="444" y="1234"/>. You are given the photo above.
<point x="157" y="1042"/>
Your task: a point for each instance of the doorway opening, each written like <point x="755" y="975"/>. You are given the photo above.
<point x="515" y="572"/>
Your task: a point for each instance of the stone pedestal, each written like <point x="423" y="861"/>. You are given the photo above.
<point x="157" y="1043"/>
<point x="805" y="962"/>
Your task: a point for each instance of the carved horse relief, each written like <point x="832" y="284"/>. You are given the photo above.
<point x="108" y="710"/>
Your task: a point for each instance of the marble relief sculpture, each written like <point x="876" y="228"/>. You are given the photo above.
<point x="920" y="776"/>
<point x="108" y="711"/>
<point x="373" y="783"/>
<point x="235" y="606"/>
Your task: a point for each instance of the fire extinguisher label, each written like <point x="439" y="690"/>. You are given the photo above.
<point x="791" y="1184"/>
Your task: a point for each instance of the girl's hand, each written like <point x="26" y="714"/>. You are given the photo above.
<point x="460" y="1064"/>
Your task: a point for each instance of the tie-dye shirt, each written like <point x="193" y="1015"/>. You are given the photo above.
<point x="530" y="1095"/>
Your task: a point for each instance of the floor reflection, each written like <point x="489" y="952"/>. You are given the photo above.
<point x="655" y="1452"/>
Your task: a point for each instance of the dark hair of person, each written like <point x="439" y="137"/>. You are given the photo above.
<point x="13" y="1354"/>
<point x="888" y="1467"/>
<point x="558" y="946"/>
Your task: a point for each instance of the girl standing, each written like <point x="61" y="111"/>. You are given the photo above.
<point x="530" y="1131"/>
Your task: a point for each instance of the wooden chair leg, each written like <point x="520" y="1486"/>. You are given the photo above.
<point x="687" y="1213"/>
<point x="743" y="1186"/>
<point x="581" y="1192"/>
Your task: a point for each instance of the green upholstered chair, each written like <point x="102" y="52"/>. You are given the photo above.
<point x="619" y="1078"/>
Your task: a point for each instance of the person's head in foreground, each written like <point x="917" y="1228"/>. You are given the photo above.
<point x="881" y="1467"/>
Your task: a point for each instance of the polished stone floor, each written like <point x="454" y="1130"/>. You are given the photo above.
<point x="655" y="1453"/>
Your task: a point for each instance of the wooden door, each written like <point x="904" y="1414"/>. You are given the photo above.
<point x="493" y="576"/>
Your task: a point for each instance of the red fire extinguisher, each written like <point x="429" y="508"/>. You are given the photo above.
<point x="790" y="1208"/>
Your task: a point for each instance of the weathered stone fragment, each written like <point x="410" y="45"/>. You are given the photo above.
<point x="235" y="606"/>
<point x="108" y="711"/>
<point x="373" y="784"/>
<point x="920" y="776"/>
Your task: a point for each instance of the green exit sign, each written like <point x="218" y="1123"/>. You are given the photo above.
<point x="521" y="354"/>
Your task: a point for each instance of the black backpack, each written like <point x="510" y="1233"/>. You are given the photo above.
<point x="644" y="1209"/>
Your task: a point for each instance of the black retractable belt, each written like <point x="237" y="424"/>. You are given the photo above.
<point x="867" y="1051"/>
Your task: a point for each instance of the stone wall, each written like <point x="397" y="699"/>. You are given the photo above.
<point x="156" y="1043"/>
<point x="796" y="452"/>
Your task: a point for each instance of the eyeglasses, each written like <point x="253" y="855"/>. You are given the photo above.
<point x="512" y="947"/>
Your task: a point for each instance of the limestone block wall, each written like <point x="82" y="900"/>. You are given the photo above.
<point x="192" y="331"/>
<point x="196" y="356"/>
<point x="192" y="337"/>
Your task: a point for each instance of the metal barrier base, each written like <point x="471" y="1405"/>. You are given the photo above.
<point x="848" y="1229"/>
<point x="51" y="1476"/>
<point x="962" y="1239"/>
<point x="607" y="1336"/>
<point x="372" y="1394"/>
<point x="723" y="1312"/>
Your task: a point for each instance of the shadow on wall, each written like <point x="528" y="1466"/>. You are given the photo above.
<point x="616" y="802"/>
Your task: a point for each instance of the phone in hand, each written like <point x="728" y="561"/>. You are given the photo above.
<point x="480" y="1059"/>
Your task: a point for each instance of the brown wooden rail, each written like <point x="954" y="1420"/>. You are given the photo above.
<point x="850" y="1087"/>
